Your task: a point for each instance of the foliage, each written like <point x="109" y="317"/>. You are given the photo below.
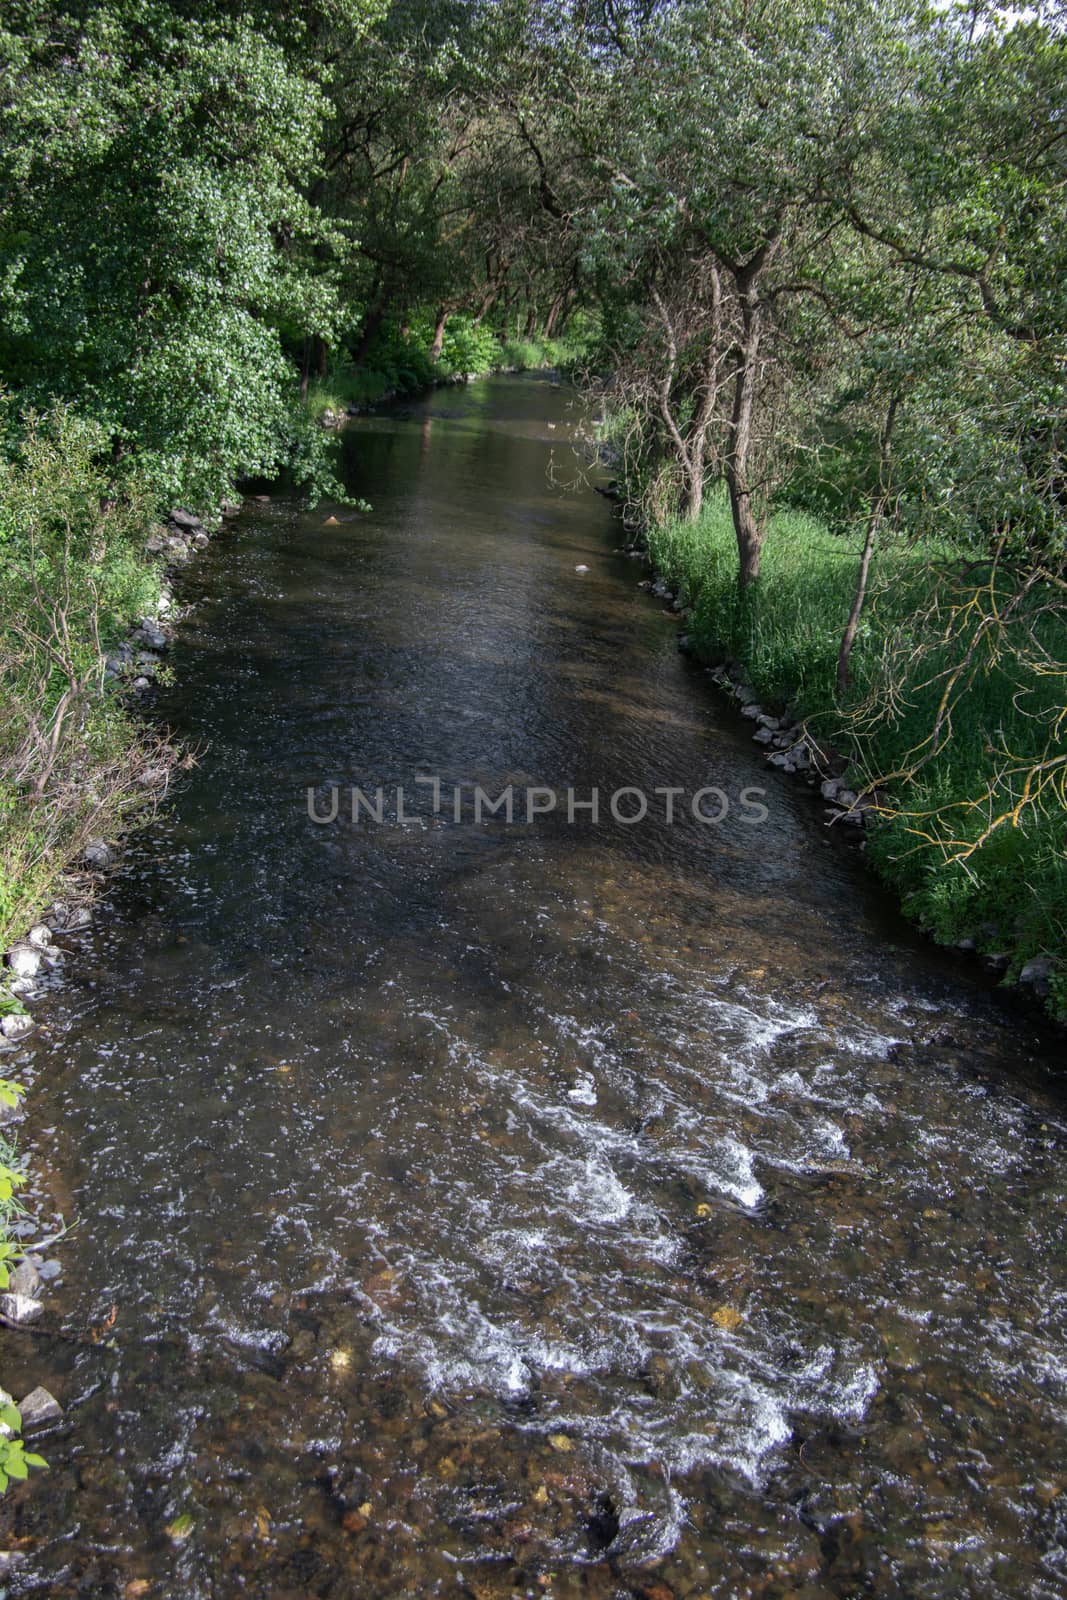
<point x="73" y="764"/>
<point x="15" y="1459"/>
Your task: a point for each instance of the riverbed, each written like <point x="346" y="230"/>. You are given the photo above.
<point x="544" y="1206"/>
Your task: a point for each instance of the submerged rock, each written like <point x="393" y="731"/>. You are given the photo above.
<point x="16" y="1026"/>
<point x="21" y="1309"/>
<point x="39" y="1409"/>
<point x="26" y="1280"/>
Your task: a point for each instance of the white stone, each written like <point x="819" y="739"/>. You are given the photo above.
<point x="24" y="961"/>
<point x="20" y="1308"/>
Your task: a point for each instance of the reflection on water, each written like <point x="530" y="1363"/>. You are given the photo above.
<point x="531" y="1209"/>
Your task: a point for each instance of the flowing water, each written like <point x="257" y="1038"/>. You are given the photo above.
<point x="534" y="1208"/>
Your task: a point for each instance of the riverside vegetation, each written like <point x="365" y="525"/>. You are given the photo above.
<point x="809" y="256"/>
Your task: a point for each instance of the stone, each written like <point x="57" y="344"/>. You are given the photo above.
<point x="581" y="567"/>
<point x="1037" y="973"/>
<point x="40" y="935"/>
<point x="781" y="761"/>
<point x="769" y="722"/>
<point x="97" y="854"/>
<point x="151" y="634"/>
<point x="830" y="788"/>
<point x="186" y="519"/>
<point x="752" y="711"/>
<point x="26" y="1280"/>
<point x="201" y="540"/>
<point x="39" y="1409"/>
<point x="141" y="684"/>
<point x="50" y="1270"/>
<point x="24" y="961"/>
<point x="847" y="798"/>
<point x="16" y="1025"/>
<point x="763" y="736"/>
<point x="20" y="1309"/>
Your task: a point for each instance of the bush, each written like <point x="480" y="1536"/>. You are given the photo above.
<point x="71" y="760"/>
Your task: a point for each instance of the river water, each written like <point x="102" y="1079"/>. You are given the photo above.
<point x="542" y="1208"/>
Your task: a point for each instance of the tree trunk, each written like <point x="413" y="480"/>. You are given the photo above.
<point x="748" y="528"/>
<point x="877" y="511"/>
<point x="554" y="311"/>
<point x="372" y="321"/>
<point x="439" y="334"/>
<point x="305" y="368"/>
<point x="848" y="638"/>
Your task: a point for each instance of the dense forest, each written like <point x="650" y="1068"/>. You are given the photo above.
<point x="809" y="256"/>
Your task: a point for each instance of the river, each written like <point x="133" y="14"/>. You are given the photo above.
<point x="543" y="1207"/>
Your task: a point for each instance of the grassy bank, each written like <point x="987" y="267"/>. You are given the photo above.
<point x="400" y="363"/>
<point x="960" y="872"/>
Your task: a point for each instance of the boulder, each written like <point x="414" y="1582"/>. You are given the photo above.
<point x="188" y="520"/>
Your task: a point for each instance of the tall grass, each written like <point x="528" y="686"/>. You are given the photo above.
<point x="1010" y="895"/>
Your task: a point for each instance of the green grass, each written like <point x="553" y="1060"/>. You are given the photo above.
<point x="1010" y="895"/>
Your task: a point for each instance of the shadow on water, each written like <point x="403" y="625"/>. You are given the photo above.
<point x="532" y="1209"/>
